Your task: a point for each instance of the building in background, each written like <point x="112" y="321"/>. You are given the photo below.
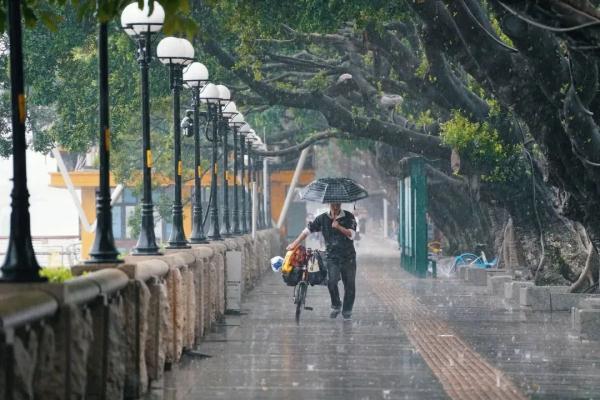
<point x="86" y="182"/>
<point x="54" y="224"/>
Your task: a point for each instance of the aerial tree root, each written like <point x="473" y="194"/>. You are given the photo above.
<point x="589" y="275"/>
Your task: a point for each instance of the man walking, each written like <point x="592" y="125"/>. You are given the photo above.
<point x="339" y="229"/>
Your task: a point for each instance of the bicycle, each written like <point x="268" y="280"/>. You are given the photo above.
<point x="301" y="287"/>
<point x="472" y="260"/>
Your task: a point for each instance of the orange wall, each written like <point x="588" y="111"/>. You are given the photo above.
<point x="280" y="181"/>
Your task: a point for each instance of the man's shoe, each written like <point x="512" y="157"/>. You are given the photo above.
<point x="347" y="316"/>
<point x="334" y="312"/>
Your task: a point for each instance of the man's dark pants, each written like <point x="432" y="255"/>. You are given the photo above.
<point x="346" y="268"/>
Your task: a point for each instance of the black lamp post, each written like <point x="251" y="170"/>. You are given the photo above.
<point x="244" y="182"/>
<point x="20" y="264"/>
<point x="259" y="192"/>
<point x="251" y="140"/>
<point x="268" y="192"/>
<point x="103" y="249"/>
<point x="235" y="121"/>
<point x="256" y="171"/>
<point x="176" y="53"/>
<point x="196" y="76"/>
<point x="141" y="27"/>
<point x="224" y="99"/>
<point x="210" y="96"/>
<point x="250" y="185"/>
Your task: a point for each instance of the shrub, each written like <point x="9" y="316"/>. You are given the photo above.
<point x="481" y="145"/>
<point x="56" y="274"/>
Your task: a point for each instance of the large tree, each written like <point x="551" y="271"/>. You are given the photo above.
<point x="508" y="87"/>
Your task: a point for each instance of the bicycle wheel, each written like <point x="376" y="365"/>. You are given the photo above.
<point x="300" y="299"/>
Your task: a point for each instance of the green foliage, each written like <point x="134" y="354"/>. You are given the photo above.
<point x="284" y="86"/>
<point x="425" y="118"/>
<point x="134" y="222"/>
<point x="423" y="68"/>
<point x="5" y="129"/>
<point x="44" y="12"/>
<point x="354" y="148"/>
<point x="358" y="112"/>
<point x="481" y="145"/>
<point x="278" y="123"/>
<point x="499" y="32"/>
<point x="368" y="59"/>
<point x="317" y="82"/>
<point x="306" y="15"/>
<point x="494" y="105"/>
<point x="57" y="274"/>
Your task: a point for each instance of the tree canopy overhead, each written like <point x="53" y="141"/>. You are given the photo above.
<point x="47" y="12"/>
<point x="507" y="90"/>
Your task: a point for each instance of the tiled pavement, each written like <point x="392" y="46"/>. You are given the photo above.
<point x="409" y="339"/>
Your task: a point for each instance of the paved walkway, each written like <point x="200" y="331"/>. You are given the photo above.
<point x="409" y="339"/>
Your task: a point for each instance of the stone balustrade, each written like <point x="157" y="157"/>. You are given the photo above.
<point x="112" y="330"/>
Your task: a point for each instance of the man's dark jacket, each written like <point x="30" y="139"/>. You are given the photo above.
<point x="337" y="244"/>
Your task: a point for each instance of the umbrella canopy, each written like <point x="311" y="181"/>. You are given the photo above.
<point x="333" y="190"/>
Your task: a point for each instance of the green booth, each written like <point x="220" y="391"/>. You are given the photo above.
<point x="412" y="209"/>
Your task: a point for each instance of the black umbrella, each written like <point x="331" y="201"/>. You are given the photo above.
<point x="334" y="190"/>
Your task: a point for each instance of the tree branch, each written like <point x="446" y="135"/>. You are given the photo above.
<point x="337" y="116"/>
<point x="304" y="144"/>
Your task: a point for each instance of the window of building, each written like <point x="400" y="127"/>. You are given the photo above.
<point x="123" y="208"/>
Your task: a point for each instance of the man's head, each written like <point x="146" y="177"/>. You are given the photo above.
<point x="335" y="208"/>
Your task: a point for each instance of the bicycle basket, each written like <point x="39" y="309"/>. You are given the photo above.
<point x="317" y="273"/>
<point x="292" y="278"/>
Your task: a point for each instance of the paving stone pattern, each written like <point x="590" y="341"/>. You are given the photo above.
<point x="538" y="351"/>
<point x="409" y="339"/>
<point x="463" y="373"/>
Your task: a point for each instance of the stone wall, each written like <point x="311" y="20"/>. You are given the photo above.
<point x="110" y="332"/>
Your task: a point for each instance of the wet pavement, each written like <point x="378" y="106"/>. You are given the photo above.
<point x="409" y="339"/>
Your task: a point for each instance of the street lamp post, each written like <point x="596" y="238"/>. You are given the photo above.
<point x="263" y="187"/>
<point x="244" y="181"/>
<point x="210" y="96"/>
<point x="251" y="139"/>
<point x="224" y="99"/>
<point x="176" y="53"/>
<point x="269" y="211"/>
<point x="266" y="187"/>
<point x="259" y="190"/>
<point x="103" y="249"/>
<point x="140" y="27"/>
<point x="256" y="169"/>
<point x="20" y="264"/>
<point x="235" y="122"/>
<point x="195" y="76"/>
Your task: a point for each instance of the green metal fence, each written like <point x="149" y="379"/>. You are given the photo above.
<point x="412" y="203"/>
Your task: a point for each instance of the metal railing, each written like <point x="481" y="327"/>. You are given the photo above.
<point x="52" y="251"/>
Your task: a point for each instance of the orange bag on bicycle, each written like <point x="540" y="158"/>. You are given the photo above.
<point x="287" y="266"/>
<point x="293" y="258"/>
<point x="299" y="257"/>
